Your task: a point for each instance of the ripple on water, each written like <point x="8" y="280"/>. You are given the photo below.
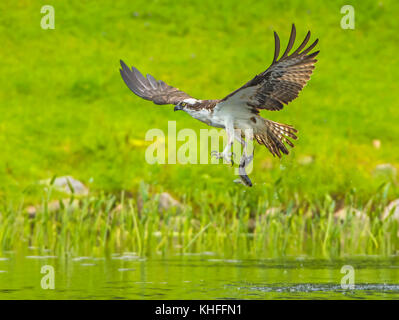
<point x="225" y="260"/>
<point x="81" y="258"/>
<point x="41" y="257"/>
<point x="99" y="259"/>
<point x="232" y="261"/>
<point x="129" y="258"/>
<point x="313" y="287"/>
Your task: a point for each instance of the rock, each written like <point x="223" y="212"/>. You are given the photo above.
<point x="385" y="169"/>
<point x="353" y="213"/>
<point x="166" y="202"/>
<point x="394" y="205"/>
<point x="61" y="184"/>
<point x="376" y="143"/>
<point x="53" y="206"/>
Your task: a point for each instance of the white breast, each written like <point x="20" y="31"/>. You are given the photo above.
<point x="240" y="113"/>
<point x="208" y="117"/>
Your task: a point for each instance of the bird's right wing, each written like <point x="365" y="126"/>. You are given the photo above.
<point x="281" y="82"/>
<point x="149" y="88"/>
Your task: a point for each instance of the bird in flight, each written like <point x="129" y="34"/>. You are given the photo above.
<point x="239" y="111"/>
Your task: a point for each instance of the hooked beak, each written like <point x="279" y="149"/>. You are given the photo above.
<point x="177" y="108"/>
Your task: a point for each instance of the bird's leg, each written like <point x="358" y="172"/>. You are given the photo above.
<point x="245" y="159"/>
<point x="237" y="136"/>
<point x="244" y="162"/>
<point x="226" y="154"/>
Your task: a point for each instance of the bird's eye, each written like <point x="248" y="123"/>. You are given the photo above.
<point x="183" y="104"/>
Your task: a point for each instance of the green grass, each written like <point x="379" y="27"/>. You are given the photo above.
<point x="66" y="111"/>
<point x="107" y="224"/>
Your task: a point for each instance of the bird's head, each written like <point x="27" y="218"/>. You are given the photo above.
<point x="186" y="104"/>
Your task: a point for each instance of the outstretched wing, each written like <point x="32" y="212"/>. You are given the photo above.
<point x="281" y="82"/>
<point x="149" y="88"/>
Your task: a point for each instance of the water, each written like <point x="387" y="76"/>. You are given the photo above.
<point x="205" y="276"/>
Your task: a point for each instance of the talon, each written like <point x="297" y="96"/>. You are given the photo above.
<point x="227" y="157"/>
<point x="238" y="181"/>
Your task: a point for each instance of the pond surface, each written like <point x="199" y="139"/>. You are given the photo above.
<point x="204" y="276"/>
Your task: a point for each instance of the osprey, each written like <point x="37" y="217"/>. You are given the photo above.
<point x="239" y="111"/>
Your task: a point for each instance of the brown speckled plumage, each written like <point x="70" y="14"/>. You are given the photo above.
<point x="285" y="78"/>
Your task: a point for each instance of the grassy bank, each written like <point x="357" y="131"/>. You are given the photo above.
<point x="96" y="226"/>
<point x="66" y="111"/>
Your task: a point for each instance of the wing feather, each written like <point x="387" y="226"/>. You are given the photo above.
<point x="149" y="88"/>
<point x="303" y="44"/>
<point x="276" y="47"/>
<point x="282" y="81"/>
<point x="290" y="42"/>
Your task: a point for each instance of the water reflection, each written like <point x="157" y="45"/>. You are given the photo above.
<point x="204" y="276"/>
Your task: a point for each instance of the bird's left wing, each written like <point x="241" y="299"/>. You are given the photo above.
<point x="281" y="82"/>
<point x="149" y="88"/>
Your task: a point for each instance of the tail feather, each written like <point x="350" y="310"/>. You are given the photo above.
<point x="273" y="135"/>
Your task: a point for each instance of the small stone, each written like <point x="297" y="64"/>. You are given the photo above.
<point x="53" y="206"/>
<point x="343" y="214"/>
<point x="166" y="202"/>
<point x="61" y="184"/>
